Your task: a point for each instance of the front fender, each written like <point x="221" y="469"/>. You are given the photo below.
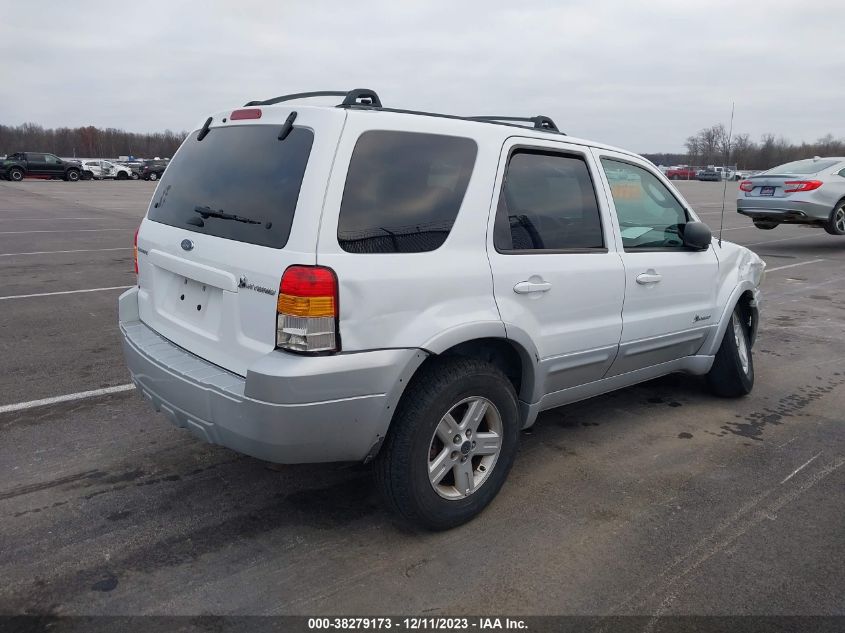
<point x="740" y="270"/>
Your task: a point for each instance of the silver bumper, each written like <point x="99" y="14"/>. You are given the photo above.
<point x="783" y="210"/>
<point x="287" y="411"/>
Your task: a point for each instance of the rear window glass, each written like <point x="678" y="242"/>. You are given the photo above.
<point x="403" y="191"/>
<point x="240" y="170"/>
<point x="802" y="167"/>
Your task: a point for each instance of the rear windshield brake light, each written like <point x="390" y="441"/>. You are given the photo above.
<point x="247" y="113"/>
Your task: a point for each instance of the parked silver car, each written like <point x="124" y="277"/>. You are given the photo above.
<point x="810" y="191"/>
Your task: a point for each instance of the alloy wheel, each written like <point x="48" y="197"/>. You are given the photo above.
<point x="741" y="343"/>
<point x="465" y="447"/>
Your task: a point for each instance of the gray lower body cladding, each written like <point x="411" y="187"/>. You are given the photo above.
<point x="259" y="415"/>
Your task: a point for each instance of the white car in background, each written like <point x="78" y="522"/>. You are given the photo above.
<point x="100" y="169"/>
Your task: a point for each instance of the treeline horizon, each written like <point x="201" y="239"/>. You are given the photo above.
<point x="88" y="141"/>
<point x="711" y="146"/>
<point x="708" y="147"/>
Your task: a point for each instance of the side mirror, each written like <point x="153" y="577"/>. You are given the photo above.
<point x="697" y="235"/>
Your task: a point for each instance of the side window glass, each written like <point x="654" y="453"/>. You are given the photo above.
<point x="36" y="158"/>
<point x="547" y="202"/>
<point x="403" y="191"/>
<point x="842" y="173"/>
<point x="649" y="215"/>
<point x="51" y="159"/>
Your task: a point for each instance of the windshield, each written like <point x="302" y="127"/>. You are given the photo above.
<point x="801" y="167"/>
<point x="242" y="170"/>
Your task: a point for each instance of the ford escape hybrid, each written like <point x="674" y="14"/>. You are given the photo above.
<point x="354" y="282"/>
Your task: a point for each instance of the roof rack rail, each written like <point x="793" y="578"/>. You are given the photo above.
<point x="358" y="96"/>
<point x="540" y="122"/>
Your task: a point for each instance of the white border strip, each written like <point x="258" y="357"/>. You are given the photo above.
<point x="81" y="250"/>
<point x="800" y="468"/>
<point x="127" y="229"/>
<point x="784" y="239"/>
<point x="20" y="406"/>
<point x="64" y="292"/>
<point x="812" y="261"/>
<point x="26" y="219"/>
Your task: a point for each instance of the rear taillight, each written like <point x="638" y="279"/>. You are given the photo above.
<point x="307" y="310"/>
<point x="135" y="250"/>
<point x="746" y="185"/>
<point x="791" y="186"/>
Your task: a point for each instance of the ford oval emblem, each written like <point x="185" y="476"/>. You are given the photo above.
<point x="187" y="245"/>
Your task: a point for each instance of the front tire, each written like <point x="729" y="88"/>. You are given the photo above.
<point x="451" y="443"/>
<point x="122" y="175"/>
<point x="72" y="175"/>
<point x="153" y="176"/>
<point x="836" y="223"/>
<point x="16" y="174"/>
<point x="766" y="226"/>
<point x="732" y="374"/>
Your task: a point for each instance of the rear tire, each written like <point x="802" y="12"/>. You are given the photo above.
<point x="766" y="226"/>
<point x="16" y="174"/>
<point x="836" y="223"/>
<point x="732" y="374"/>
<point x="432" y="432"/>
<point x="153" y="176"/>
<point x="122" y="175"/>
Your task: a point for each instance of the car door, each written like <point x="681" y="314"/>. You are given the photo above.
<point x="36" y="164"/>
<point x="558" y="280"/>
<point x="670" y="289"/>
<point x="54" y="166"/>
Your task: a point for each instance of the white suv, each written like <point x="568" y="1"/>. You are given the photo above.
<point x="353" y="282"/>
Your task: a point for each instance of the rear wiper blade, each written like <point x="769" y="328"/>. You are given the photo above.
<point x="208" y="212"/>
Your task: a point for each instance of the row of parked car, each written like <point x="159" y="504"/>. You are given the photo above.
<point x="20" y="165"/>
<point x="714" y="174"/>
<point x="101" y="169"/>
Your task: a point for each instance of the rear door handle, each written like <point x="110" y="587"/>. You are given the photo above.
<point x="525" y="287"/>
<point x="649" y="277"/>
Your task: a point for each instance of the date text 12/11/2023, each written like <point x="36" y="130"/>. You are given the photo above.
<point x="417" y="623"/>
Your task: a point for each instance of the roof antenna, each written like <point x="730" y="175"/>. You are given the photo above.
<point x="725" y="173"/>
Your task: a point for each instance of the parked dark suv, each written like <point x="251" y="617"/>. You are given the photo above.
<point x="153" y="169"/>
<point x="17" y="166"/>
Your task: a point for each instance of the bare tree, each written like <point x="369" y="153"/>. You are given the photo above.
<point x="88" y="142"/>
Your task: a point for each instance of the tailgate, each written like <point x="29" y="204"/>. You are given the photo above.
<point x="231" y="212"/>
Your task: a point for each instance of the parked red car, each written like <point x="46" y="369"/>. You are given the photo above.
<point x="681" y="173"/>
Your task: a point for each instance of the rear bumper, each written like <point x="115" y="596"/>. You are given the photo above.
<point x="291" y="409"/>
<point x="783" y="211"/>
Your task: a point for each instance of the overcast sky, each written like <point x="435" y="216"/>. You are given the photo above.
<point x="641" y="75"/>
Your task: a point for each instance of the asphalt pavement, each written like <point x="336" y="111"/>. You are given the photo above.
<point x="656" y="500"/>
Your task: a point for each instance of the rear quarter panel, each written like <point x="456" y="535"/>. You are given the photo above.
<point x="428" y="300"/>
